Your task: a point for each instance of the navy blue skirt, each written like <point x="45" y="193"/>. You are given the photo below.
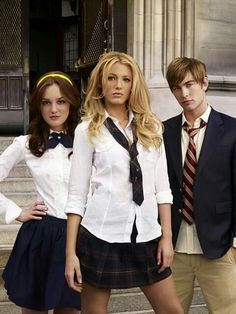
<point x="118" y="265"/>
<point x="35" y="272"/>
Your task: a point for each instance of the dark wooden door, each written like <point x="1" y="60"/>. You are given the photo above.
<point x="102" y="29"/>
<point x="14" y="66"/>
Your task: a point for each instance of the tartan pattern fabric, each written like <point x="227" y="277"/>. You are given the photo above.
<point x="118" y="265"/>
<point x="189" y="171"/>
<point x="136" y="177"/>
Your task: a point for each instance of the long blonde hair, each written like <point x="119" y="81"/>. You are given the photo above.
<point x="147" y="127"/>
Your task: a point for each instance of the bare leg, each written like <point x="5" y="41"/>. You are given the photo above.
<point x="163" y="298"/>
<point x="28" y="311"/>
<point x="57" y="311"/>
<point x="94" y="300"/>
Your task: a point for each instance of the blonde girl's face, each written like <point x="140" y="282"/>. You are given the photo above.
<point x="116" y="85"/>
<point x="54" y="108"/>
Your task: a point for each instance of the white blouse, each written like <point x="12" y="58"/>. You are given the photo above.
<point x="101" y="166"/>
<point x="50" y="174"/>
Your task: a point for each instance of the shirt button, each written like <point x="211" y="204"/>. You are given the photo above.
<point x="180" y="210"/>
<point x="59" y="137"/>
<point x="180" y="189"/>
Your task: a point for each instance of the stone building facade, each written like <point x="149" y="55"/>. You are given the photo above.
<point x="159" y="31"/>
<point x="69" y="35"/>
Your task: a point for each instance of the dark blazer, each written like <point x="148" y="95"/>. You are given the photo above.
<point x="214" y="191"/>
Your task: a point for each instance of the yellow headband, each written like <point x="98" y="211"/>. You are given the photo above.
<point x="55" y="75"/>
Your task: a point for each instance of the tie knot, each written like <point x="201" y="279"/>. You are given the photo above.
<point x="57" y="135"/>
<point x="56" y="138"/>
<point x="193" y="131"/>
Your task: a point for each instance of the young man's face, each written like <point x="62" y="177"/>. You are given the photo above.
<point x="191" y="95"/>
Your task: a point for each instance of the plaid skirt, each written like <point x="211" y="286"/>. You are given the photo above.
<point x="118" y="265"/>
<point x="35" y="272"/>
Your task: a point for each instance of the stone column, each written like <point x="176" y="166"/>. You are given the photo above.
<point x="135" y="33"/>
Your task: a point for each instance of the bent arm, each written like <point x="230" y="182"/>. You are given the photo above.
<point x="80" y="173"/>
<point x="79" y="184"/>
<point x="8" y="159"/>
<point x="164" y="197"/>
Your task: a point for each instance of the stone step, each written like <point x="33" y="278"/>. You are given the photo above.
<point x="8" y="235"/>
<point x="9" y="308"/>
<point x="22" y="199"/>
<point x="135" y="312"/>
<point x="20" y="171"/>
<point x="198" y="298"/>
<point x="4" y="255"/>
<point x="17" y="185"/>
<point x="131" y="300"/>
<point x="198" y="309"/>
<point x="4" y="142"/>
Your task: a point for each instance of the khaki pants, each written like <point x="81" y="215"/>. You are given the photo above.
<point x="217" y="279"/>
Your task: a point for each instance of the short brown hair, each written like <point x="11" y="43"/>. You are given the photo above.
<point x="179" y="67"/>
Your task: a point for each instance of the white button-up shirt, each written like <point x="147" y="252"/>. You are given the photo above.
<point x="187" y="241"/>
<point x="50" y="174"/>
<point x="102" y="166"/>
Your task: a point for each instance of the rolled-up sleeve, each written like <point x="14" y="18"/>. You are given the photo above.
<point x="80" y="174"/>
<point x="163" y="191"/>
<point x="8" y="159"/>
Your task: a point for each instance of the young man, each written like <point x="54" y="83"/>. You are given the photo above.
<point x="201" y="153"/>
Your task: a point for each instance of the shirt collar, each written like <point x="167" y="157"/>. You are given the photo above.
<point x="204" y="117"/>
<point x="116" y="121"/>
<point x="51" y="131"/>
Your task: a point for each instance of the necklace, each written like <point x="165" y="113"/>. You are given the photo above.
<point x="123" y="122"/>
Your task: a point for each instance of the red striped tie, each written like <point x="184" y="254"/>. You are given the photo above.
<point x="190" y="165"/>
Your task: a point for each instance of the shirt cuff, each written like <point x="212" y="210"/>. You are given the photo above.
<point x="74" y="211"/>
<point x="164" y="197"/>
<point x="12" y="213"/>
<point x="74" y="206"/>
<point x="234" y="242"/>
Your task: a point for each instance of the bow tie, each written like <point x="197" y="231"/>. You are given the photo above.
<point x="56" y="138"/>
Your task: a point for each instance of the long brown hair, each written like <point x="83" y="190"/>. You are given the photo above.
<point x="38" y="129"/>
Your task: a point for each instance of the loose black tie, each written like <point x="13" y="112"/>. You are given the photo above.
<point x="56" y="138"/>
<point x="136" y="177"/>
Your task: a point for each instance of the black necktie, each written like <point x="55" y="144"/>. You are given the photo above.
<point x="136" y="177"/>
<point x="56" y="138"/>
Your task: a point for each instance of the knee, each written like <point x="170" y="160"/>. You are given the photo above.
<point x="94" y="311"/>
<point x="91" y="309"/>
<point x="176" y="309"/>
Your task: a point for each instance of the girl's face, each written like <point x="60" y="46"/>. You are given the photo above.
<point x="54" y="108"/>
<point x="116" y="86"/>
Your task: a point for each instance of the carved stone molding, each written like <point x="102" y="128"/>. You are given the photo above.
<point x="160" y="30"/>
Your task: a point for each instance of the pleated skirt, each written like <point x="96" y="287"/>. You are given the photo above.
<point x="118" y="265"/>
<point x="35" y="272"/>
